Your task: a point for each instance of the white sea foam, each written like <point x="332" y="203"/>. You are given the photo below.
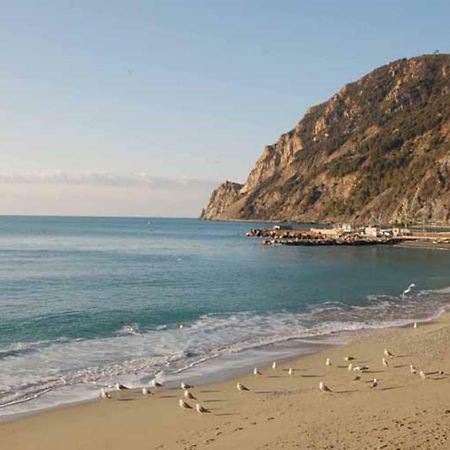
<point x="46" y="373"/>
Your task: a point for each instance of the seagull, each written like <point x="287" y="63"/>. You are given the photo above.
<point x="256" y="372"/>
<point x="156" y="384"/>
<point x="385" y="362"/>
<point x="422" y="375"/>
<point x="328" y="362"/>
<point x="349" y="358"/>
<point x="441" y="372"/>
<point x="180" y="326"/>
<point x="350" y="366"/>
<point x="186" y="386"/>
<point x="146" y="391"/>
<point x="104" y="394"/>
<point x="388" y="353"/>
<point x="188" y="395"/>
<point x="360" y="368"/>
<point x="200" y="409"/>
<point x="290" y="371"/>
<point x="184" y="405"/>
<point x="375" y="383"/>
<point x="356" y="378"/>
<point x="121" y="387"/>
<point x="415" y="325"/>
<point x="412" y="369"/>
<point x="408" y="289"/>
<point x="324" y="388"/>
<point x="274" y="365"/>
<point x="241" y="387"/>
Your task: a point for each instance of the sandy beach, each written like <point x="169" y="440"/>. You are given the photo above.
<point x="280" y="411"/>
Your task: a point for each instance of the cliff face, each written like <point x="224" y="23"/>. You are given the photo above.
<point x="377" y="151"/>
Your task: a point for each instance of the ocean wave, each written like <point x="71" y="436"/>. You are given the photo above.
<point x="51" y="372"/>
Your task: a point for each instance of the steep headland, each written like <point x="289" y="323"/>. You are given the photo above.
<point x="378" y="151"/>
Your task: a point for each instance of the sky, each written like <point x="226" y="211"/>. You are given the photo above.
<point x="140" y="108"/>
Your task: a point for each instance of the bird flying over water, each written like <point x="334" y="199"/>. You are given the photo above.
<point x="200" y="409"/>
<point x="408" y="289"/>
<point x="324" y="388"/>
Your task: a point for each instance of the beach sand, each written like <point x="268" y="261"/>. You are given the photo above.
<point x="280" y="411"/>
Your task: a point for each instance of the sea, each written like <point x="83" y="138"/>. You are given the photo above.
<point x="87" y="302"/>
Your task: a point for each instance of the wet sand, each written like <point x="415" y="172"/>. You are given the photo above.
<point x="279" y="411"/>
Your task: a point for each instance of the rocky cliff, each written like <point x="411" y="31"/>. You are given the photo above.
<point x="377" y="151"/>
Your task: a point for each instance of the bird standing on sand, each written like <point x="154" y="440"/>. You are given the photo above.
<point x="184" y="405"/>
<point x="328" y="362"/>
<point x="121" y="387"/>
<point x="360" y="368"/>
<point x="374" y="382"/>
<point x="256" y="372"/>
<point x="186" y="386"/>
<point x="146" y="391"/>
<point x="349" y="358"/>
<point x="388" y="353"/>
<point x="290" y="371"/>
<point x="156" y="384"/>
<point x="350" y="366"/>
<point x="200" y="409"/>
<point x="356" y="378"/>
<point x="274" y="365"/>
<point x="408" y="289"/>
<point x="241" y="387"/>
<point x="412" y="369"/>
<point x="188" y="395"/>
<point x="415" y="325"/>
<point x="104" y="394"/>
<point x="422" y="375"/>
<point x="324" y="388"/>
<point x="385" y="362"/>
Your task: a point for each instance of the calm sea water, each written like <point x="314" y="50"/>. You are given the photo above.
<point x="87" y="302"/>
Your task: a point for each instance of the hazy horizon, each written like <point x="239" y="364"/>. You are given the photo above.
<point x="141" y="109"/>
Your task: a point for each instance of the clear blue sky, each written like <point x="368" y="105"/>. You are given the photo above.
<point x="187" y="92"/>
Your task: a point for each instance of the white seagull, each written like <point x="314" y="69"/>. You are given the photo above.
<point x="422" y="375"/>
<point x="388" y="353"/>
<point x="349" y="358"/>
<point x="408" y="289"/>
<point x="350" y="366"/>
<point x="256" y="372"/>
<point x="156" y="384"/>
<point x="290" y="371"/>
<point x="188" y="395"/>
<point x="385" y="362"/>
<point x="415" y="325"/>
<point x="375" y="382"/>
<point x="328" y="362"/>
<point x="412" y="369"/>
<point x="186" y="386"/>
<point x="104" y="394"/>
<point x="121" y="387"/>
<point x="360" y="368"/>
<point x="356" y="378"/>
<point x="146" y="391"/>
<point x="241" y="387"/>
<point x="183" y="404"/>
<point x="324" y="388"/>
<point x="274" y="365"/>
<point x="200" y="409"/>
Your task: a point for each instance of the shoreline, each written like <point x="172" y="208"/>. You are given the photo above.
<point x="234" y="414"/>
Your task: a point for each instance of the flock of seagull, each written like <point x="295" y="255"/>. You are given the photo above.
<point x="188" y="396"/>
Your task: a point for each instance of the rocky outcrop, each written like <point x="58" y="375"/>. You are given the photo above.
<point x="377" y="151"/>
